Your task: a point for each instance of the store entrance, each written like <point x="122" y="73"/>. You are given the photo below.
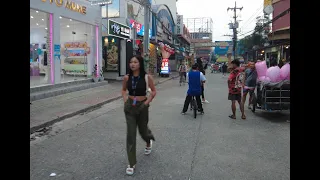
<point x="38" y="48"/>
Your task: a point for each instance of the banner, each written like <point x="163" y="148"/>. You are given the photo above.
<point x="221" y="51"/>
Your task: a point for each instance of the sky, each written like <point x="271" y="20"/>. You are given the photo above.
<point x="217" y="10"/>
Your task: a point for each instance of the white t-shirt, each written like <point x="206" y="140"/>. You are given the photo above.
<point x="202" y="77"/>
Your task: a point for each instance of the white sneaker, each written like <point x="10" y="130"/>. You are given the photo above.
<point x="148" y="150"/>
<point x="205" y="101"/>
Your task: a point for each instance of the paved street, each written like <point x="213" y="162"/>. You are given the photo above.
<point x="212" y="147"/>
<point x="53" y="109"/>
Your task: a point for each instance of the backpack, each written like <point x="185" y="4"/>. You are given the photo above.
<point x="240" y="80"/>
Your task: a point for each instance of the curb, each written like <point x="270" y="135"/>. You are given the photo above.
<point x="60" y="118"/>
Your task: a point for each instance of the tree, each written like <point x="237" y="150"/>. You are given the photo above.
<point x="256" y="39"/>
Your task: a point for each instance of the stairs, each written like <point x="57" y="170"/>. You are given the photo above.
<point x="46" y="91"/>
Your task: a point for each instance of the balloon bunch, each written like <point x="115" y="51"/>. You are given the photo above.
<point x="272" y="74"/>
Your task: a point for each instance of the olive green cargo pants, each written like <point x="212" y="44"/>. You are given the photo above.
<point x="137" y="115"/>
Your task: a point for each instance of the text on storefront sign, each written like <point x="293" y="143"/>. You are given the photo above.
<point x="69" y="5"/>
<point x="118" y="30"/>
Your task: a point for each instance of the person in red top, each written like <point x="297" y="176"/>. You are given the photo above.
<point x="235" y="92"/>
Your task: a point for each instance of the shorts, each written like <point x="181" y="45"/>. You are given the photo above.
<point x="250" y="91"/>
<point x="234" y="97"/>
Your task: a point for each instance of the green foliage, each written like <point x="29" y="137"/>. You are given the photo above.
<point x="255" y="39"/>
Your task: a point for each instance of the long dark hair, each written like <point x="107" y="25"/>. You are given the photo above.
<point x="142" y="72"/>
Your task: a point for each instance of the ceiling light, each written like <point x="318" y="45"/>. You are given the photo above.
<point x="60" y="17"/>
<point x="31" y="17"/>
<point x="70" y="19"/>
<point x="37" y="24"/>
<point x="42" y="19"/>
<point x="46" y="28"/>
<point x="37" y="11"/>
<point x="68" y="26"/>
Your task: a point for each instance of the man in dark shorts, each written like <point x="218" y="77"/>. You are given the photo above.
<point x="235" y="92"/>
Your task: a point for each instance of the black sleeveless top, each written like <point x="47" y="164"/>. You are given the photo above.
<point x="140" y="83"/>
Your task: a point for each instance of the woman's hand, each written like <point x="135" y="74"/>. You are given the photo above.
<point x="124" y="88"/>
<point x="125" y="99"/>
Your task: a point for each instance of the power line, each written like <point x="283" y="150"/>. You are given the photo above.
<point x="271" y="21"/>
<point x="253" y="15"/>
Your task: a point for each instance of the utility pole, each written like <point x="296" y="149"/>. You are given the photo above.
<point x="235" y="26"/>
<point x="146" y="39"/>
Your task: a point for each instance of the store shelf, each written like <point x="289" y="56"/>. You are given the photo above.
<point x="75" y="49"/>
<point x="76" y="56"/>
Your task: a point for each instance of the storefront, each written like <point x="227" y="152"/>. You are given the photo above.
<point x="65" y="41"/>
<point x="117" y="49"/>
<point x="163" y="34"/>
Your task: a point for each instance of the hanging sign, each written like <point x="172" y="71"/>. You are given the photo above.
<point x="118" y="30"/>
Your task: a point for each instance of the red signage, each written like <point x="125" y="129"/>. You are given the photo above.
<point x="135" y="24"/>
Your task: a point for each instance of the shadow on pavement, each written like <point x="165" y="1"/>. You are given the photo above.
<point x="276" y="117"/>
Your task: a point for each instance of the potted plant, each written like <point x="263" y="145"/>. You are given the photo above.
<point x="101" y="78"/>
<point x="95" y="77"/>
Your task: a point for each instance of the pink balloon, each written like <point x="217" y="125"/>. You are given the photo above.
<point x="261" y="68"/>
<point x="273" y="73"/>
<point x="267" y="79"/>
<point x="261" y="78"/>
<point x="285" y="72"/>
<point x="288" y="77"/>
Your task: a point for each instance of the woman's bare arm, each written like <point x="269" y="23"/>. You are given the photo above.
<point x="124" y="88"/>
<point x="153" y="90"/>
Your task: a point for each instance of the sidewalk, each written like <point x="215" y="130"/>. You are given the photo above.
<point x="46" y="112"/>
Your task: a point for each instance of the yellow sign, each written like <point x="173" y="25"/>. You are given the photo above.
<point x="69" y="5"/>
<point x="267" y="3"/>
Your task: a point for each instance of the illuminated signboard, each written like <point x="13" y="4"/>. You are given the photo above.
<point x="165" y="66"/>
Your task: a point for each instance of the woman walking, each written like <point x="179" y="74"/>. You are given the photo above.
<point x="136" y="108"/>
<point x="183" y="72"/>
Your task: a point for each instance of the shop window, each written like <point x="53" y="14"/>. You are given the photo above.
<point x="111" y="50"/>
<point x="38" y="43"/>
<point x="76" y="42"/>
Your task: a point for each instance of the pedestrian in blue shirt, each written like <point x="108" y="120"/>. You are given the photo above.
<point x="195" y="79"/>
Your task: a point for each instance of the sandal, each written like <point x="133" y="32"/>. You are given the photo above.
<point x="148" y="150"/>
<point x="129" y="170"/>
<point x="232" y="116"/>
<point x="243" y="117"/>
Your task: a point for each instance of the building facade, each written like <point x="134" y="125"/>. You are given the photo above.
<point x="65" y="41"/>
